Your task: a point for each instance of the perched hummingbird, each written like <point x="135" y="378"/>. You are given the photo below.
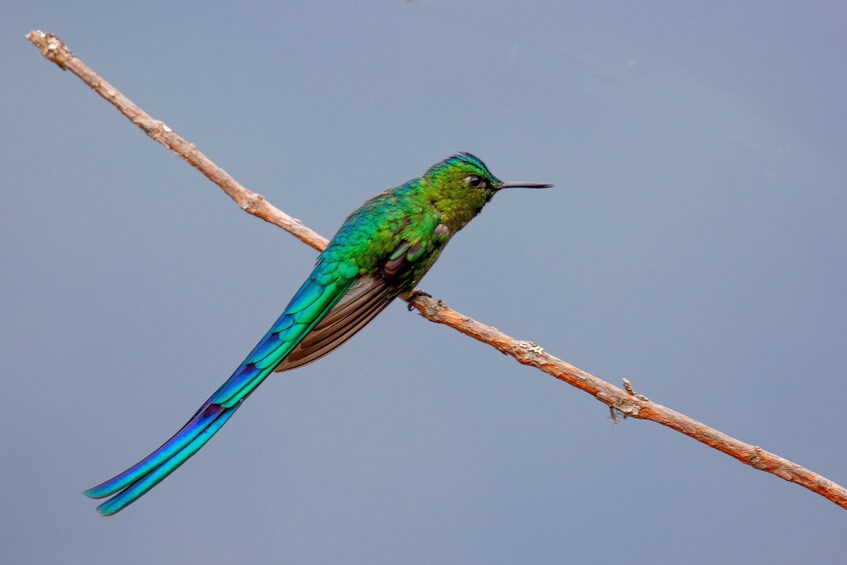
<point x="382" y="251"/>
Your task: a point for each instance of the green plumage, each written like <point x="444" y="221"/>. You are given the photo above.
<point x="382" y="250"/>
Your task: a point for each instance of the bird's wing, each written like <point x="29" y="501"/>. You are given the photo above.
<point x="368" y="296"/>
<point x="365" y="299"/>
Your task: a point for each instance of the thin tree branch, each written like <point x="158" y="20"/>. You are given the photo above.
<point x="625" y="402"/>
<point x="53" y="49"/>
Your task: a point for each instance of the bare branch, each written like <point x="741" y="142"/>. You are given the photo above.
<point x="53" y="49"/>
<point x="625" y="402"/>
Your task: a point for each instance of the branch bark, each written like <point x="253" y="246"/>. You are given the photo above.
<point x="625" y="402"/>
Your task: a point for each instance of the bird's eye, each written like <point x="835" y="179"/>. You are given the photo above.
<point x="475" y="181"/>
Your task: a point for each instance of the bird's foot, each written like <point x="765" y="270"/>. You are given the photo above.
<point x="410" y="297"/>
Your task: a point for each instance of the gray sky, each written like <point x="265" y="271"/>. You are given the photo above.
<point x="694" y="244"/>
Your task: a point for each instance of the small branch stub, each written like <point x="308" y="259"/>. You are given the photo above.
<point x="627" y="386"/>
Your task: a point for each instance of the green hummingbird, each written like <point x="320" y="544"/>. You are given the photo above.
<point x="380" y="252"/>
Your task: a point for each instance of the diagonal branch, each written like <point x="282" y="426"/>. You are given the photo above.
<point x="625" y="402"/>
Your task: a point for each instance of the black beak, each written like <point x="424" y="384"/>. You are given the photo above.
<point x="522" y="185"/>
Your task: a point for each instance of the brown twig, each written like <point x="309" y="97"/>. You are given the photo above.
<point x="625" y="402"/>
<point x="53" y="49"/>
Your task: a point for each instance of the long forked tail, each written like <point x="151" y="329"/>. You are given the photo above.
<point x="308" y="307"/>
<point x="147" y="473"/>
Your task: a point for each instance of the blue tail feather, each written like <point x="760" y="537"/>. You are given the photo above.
<point x="283" y="336"/>
<point x="153" y="477"/>
<point x="207" y="414"/>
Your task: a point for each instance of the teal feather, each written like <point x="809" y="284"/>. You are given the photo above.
<point x="310" y="304"/>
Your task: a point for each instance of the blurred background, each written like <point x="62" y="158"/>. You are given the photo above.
<point x="694" y="244"/>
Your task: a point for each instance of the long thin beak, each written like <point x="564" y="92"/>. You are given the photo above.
<point x="523" y="185"/>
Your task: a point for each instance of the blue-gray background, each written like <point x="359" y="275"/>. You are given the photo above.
<point x="694" y="243"/>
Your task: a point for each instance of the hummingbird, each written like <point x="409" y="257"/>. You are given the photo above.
<point x="381" y="251"/>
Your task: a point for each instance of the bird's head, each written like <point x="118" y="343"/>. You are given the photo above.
<point x="461" y="185"/>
